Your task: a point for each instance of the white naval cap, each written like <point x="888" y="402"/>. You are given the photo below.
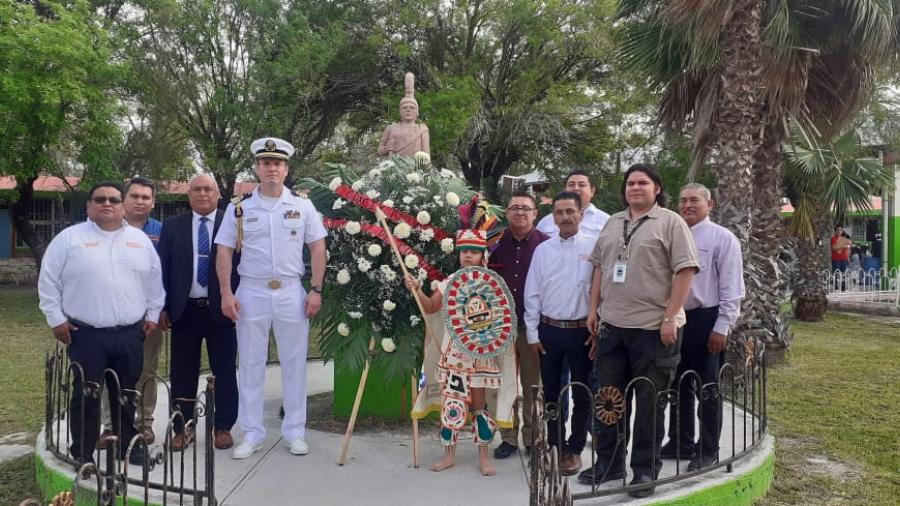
<point x="272" y="147"/>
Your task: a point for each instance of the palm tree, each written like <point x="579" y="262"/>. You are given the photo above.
<point x="815" y="68"/>
<point x="824" y="182"/>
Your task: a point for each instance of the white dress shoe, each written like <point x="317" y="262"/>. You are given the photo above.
<point x="299" y="447"/>
<point x="244" y="450"/>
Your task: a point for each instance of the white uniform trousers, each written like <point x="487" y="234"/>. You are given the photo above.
<point x="284" y="311"/>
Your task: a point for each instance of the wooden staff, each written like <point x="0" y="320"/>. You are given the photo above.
<point x="345" y="445"/>
<point x="382" y="219"/>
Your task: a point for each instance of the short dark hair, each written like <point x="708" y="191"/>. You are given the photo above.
<point x="106" y="184"/>
<point x="141" y="181"/>
<point x="567" y="196"/>
<point x="579" y="172"/>
<point x="524" y="195"/>
<point x="838" y="226"/>
<point x="654" y="176"/>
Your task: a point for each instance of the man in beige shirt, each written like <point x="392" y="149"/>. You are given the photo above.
<point x="644" y="261"/>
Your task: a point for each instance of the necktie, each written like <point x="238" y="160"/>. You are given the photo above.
<point x="203" y="253"/>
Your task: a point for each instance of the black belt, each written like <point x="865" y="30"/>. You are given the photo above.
<point x="199" y="302"/>
<point x="81" y="325"/>
<point x="564" y="324"/>
<point x="701" y="310"/>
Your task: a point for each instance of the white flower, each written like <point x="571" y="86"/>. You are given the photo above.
<point x="402" y="231"/>
<point x="343" y="277"/>
<point x="411" y="261"/>
<point x="363" y="265"/>
<point x="339" y="203"/>
<point x="447" y="173"/>
<point x="334" y="183"/>
<point x="422" y="157"/>
<point x="373" y="194"/>
<point x="421" y="275"/>
<point x="352" y="227"/>
<point x="434" y="285"/>
<point x="385" y="165"/>
<point x="407" y="199"/>
<point x="343" y="329"/>
<point x="423" y="217"/>
<point x="375" y="172"/>
<point x="452" y="199"/>
<point x="387" y="344"/>
<point x="374" y="250"/>
<point x="413" y="177"/>
<point x="357" y="185"/>
<point x="356" y="315"/>
<point x="389" y="273"/>
<point x="414" y="320"/>
<point x="438" y="201"/>
<point x="426" y="234"/>
<point x="388" y="203"/>
<point x="447" y="245"/>
<point x="389" y="305"/>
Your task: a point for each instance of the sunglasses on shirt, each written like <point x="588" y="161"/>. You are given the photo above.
<point x="104" y="200"/>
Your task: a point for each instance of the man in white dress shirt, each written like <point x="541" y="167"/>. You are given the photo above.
<point x="557" y="291"/>
<point x="101" y="291"/>
<point x="592" y="219"/>
<point x="269" y="227"/>
<point x="712" y="306"/>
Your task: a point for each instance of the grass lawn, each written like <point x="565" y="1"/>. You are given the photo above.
<point x="833" y="407"/>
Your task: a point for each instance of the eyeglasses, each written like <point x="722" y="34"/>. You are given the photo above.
<point x="519" y="209"/>
<point x="104" y="200"/>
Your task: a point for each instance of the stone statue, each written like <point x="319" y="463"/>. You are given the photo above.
<point x="407" y="137"/>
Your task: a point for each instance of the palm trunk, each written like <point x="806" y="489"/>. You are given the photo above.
<point x="736" y="125"/>
<point x="766" y="282"/>
<point x="810" y="288"/>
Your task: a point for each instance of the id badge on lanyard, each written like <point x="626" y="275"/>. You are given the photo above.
<point x="620" y="268"/>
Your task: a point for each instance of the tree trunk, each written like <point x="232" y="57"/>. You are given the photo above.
<point x="810" y="288"/>
<point x="736" y="125"/>
<point x="18" y="211"/>
<point x="766" y="282"/>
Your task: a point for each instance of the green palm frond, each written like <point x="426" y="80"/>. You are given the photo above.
<point x="832" y="176"/>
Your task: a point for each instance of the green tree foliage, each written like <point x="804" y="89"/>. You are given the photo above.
<point x="824" y="180"/>
<point x="512" y="83"/>
<point x="56" y="111"/>
<point x="229" y="71"/>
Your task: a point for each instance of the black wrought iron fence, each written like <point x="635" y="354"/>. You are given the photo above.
<point x="740" y="393"/>
<point x="113" y="470"/>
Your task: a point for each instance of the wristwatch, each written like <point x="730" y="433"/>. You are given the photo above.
<point x="317" y="288"/>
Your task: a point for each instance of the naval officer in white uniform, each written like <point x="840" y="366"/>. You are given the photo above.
<point x="269" y="227"/>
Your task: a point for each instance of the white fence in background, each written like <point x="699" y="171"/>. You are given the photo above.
<point x="878" y="286"/>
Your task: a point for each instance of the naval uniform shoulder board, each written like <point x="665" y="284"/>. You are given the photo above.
<point x="237" y="200"/>
<point x="239" y="214"/>
<point x="299" y="193"/>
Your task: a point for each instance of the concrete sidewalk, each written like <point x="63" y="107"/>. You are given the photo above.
<point x="379" y="470"/>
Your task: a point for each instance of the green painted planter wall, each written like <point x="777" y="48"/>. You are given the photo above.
<point x="381" y="398"/>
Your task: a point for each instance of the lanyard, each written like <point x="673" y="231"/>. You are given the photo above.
<point x="628" y="234"/>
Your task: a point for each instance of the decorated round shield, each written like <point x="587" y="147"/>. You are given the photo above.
<point x="479" y="312"/>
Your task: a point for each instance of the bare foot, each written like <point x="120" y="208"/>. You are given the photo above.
<point x="484" y="462"/>
<point x="445" y="463"/>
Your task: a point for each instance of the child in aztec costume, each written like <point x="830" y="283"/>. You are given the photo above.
<point x="456" y="379"/>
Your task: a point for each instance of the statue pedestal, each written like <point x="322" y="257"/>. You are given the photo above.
<point x="381" y="398"/>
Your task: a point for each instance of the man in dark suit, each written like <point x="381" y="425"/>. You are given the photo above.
<point x="193" y="311"/>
